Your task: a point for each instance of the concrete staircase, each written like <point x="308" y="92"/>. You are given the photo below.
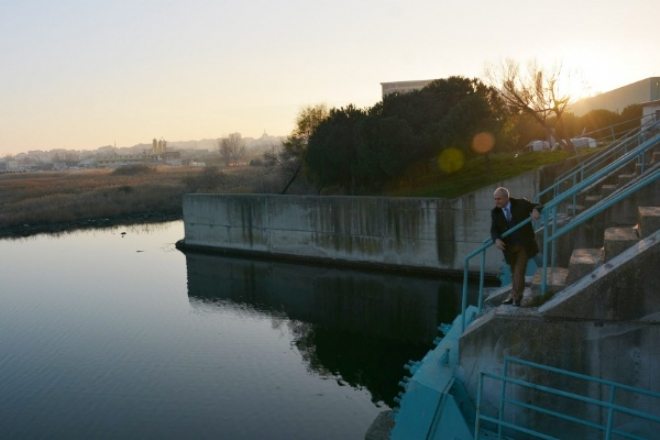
<point x="606" y="235"/>
<point x="600" y="313"/>
<point x="596" y="244"/>
<point x="583" y="261"/>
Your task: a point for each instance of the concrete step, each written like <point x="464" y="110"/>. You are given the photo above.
<point x="583" y="261"/>
<point x="573" y="210"/>
<point x="493" y="296"/>
<point x="618" y="239"/>
<point x="649" y="220"/>
<point x="640" y="169"/>
<point x="606" y="190"/>
<point x="556" y="280"/>
<point x="592" y="199"/>
<point x="625" y="178"/>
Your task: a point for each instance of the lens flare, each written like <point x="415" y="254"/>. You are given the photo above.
<point x="483" y="142"/>
<point x="451" y="160"/>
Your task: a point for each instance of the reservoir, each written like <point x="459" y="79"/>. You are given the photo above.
<point x="114" y="333"/>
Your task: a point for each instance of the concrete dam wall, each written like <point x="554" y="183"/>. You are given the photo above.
<point x="419" y="234"/>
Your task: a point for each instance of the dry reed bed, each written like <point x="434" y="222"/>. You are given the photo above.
<point x="47" y="198"/>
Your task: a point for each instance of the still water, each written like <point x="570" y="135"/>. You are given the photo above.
<point x="111" y="335"/>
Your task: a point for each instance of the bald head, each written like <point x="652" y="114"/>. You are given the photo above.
<point x="501" y="196"/>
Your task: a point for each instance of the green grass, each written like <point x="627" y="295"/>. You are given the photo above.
<point x="429" y="181"/>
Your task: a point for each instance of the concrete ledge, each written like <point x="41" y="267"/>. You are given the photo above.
<point x="331" y="262"/>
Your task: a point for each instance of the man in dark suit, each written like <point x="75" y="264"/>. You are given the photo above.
<point x="518" y="247"/>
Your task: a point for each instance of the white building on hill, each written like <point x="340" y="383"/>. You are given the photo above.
<point x="616" y="100"/>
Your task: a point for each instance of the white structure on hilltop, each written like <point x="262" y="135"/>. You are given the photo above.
<point x="644" y="91"/>
<point x="404" y="86"/>
<point x="616" y="100"/>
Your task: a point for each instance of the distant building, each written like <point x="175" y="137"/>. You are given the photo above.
<point x="158" y="147"/>
<point x="404" y="86"/>
<point x="616" y="100"/>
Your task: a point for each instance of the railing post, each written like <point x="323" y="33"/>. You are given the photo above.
<point x="553" y="248"/>
<point x="610" y="413"/>
<point x="500" y="413"/>
<point x="546" y="226"/>
<point x="464" y="298"/>
<point x="481" y="280"/>
<point x="574" y="207"/>
<point x="477" y="415"/>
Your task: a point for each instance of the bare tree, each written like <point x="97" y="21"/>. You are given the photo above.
<point x="232" y="148"/>
<point x="535" y="92"/>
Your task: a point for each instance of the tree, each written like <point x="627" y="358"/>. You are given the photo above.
<point x="332" y="151"/>
<point x="534" y="92"/>
<point x="292" y="158"/>
<point x="232" y="148"/>
<point x="360" y="150"/>
<point x="630" y="118"/>
<point x="447" y="112"/>
<point x="598" y="119"/>
<point x="383" y="150"/>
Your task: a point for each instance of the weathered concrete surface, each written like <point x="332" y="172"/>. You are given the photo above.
<point x="623" y="351"/>
<point x="621" y="289"/>
<point x="582" y="262"/>
<point x="381" y="427"/>
<point x="606" y="324"/>
<point x="617" y="239"/>
<point x="416" y="233"/>
<point x="649" y="219"/>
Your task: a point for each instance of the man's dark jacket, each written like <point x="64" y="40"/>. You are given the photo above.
<point x="520" y="210"/>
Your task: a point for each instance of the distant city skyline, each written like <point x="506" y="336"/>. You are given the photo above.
<point x="80" y="75"/>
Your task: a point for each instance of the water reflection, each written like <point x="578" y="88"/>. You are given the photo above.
<point x="360" y="327"/>
<point x="29" y="232"/>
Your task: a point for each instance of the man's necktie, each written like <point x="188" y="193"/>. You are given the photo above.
<point x="507" y="215"/>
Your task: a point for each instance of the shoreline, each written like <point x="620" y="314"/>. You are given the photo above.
<point x="28" y="230"/>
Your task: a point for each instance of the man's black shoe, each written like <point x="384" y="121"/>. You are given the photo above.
<point x="517" y="303"/>
<point x="509" y="300"/>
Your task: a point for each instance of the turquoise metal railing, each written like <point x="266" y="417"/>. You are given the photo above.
<point x="620" y="146"/>
<point x="550" y="209"/>
<point x="610" y="404"/>
<point x="550" y="217"/>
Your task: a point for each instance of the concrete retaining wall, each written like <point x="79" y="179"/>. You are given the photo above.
<point x="411" y="233"/>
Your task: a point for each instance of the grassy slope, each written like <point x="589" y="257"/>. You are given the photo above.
<point x="476" y="173"/>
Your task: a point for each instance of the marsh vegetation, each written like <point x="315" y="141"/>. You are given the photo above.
<point x="52" y="201"/>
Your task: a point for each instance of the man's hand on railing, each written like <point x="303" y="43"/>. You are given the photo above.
<point x="500" y="244"/>
<point x="535" y="214"/>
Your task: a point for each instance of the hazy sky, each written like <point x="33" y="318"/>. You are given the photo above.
<point x="81" y="74"/>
